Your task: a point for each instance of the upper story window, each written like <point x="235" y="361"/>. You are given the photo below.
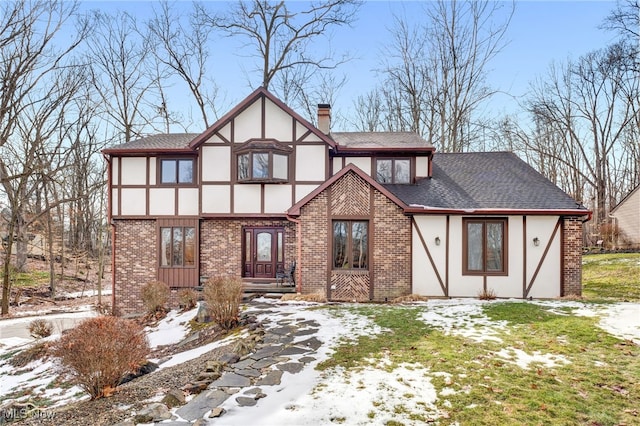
<point x="393" y="170"/>
<point x="260" y="160"/>
<point x="484" y="251"/>
<point x="177" y="171"/>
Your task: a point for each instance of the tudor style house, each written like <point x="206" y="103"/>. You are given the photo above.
<point x="364" y="216"/>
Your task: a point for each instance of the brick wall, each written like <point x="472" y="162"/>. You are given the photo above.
<point x="391" y="250"/>
<point x="572" y="256"/>
<point x="315" y="245"/>
<point x="390" y="239"/>
<point x="221" y="244"/>
<point x="136" y="260"/>
<point x="135" y="263"/>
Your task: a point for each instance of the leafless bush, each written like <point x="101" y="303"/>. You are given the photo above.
<point x="410" y="298"/>
<point x="100" y="352"/>
<point x="37" y="351"/>
<point x="39" y="328"/>
<point x="487" y="294"/>
<point x="155" y="295"/>
<point x="223" y="296"/>
<point x="313" y="297"/>
<point x="187" y="298"/>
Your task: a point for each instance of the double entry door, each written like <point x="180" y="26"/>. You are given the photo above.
<point x="263" y="251"/>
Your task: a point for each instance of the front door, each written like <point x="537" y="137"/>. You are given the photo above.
<point x="263" y="252"/>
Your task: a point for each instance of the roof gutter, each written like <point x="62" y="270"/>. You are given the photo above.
<point x="418" y="209"/>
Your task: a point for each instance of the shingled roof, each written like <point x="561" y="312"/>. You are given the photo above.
<point x="488" y="180"/>
<point x="367" y="140"/>
<point x="160" y="142"/>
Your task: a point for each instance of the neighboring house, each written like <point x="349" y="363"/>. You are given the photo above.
<point x="365" y="216"/>
<point x="627" y="215"/>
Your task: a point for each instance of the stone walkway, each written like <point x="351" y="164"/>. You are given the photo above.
<point x="279" y="344"/>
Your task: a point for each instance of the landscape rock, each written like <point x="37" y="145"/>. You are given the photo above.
<point x="245" y="401"/>
<point x="174" y="398"/>
<point x="154" y="412"/>
<point x="229" y="358"/>
<point x="217" y="412"/>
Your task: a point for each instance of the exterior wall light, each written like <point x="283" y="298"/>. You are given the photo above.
<point x="536" y="241"/>
<point x="437" y="241"/>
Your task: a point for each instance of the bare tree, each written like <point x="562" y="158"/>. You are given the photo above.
<point x="280" y="36"/>
<point x="185" y="50"/>
<point x="37" y="83"/>
<point x="435" y="73"/>
<point x="120" y="73"/>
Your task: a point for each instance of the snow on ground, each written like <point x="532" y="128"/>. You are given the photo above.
<point x="172" y="329"/>
<point x="463" y="317"/>
<point x="523" y="359"/>
<point x="621" y="320"/>
<point x="372" y="394"/>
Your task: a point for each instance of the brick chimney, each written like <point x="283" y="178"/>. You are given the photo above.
<point x="324" y="118"/>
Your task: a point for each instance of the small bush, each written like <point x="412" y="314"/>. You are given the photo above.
<point x="38" y="351"/>
<point x="100" y="352"/>
<point x="187" y="298"/>
<point x="39" y="328"/>
<point x="155" y="295"/>
<point x="313" y="297"/>
<point x="223" y="296"/>
<point x="410" y="298"/>
<point x="487" y="294"/>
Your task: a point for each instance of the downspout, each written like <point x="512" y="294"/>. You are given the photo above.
<point x="298" y="272"/>
<point x="112" y="225"/>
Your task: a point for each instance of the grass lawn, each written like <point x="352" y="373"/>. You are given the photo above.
<point x="611" y="276"/>
<point x="595" y="381"/>
<point x="594" y="378"/>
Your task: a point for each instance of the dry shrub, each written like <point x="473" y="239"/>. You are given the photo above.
<point x="100" y="352"/>
<point x="313" y="297"/>
<point x="188" y="298"/>
<point x="39" y="328"/>
<point x="410" y="298"/>
<point x="155" y="295"/>
<point x="32" y="353"/>
<point x="223" y="296"/>
<point x="487" y="294"/>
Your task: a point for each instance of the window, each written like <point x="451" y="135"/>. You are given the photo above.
<point x="393" y="170"/>
<point x="485" y="246"/>
<point x="350" y="244"/>
<point x="176" y="171"/>
<point x="177" y="246"/>
<point x="263" y="166"/>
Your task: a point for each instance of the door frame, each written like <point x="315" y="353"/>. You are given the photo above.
<point x="249" y="251"/>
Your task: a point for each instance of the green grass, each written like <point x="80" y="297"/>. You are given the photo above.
<point x="28" y="279"/>
<point x="599" y="385"/>
<point x="611" y="276"/>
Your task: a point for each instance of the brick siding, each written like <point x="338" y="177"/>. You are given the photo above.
<point x="572" y="256"/>
<point x="135" y="263"/>
<point x="136" y="252"/>
<point x="391" y="250"/>
<point x="390" y="239"/>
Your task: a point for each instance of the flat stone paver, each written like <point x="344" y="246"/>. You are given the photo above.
<point x="271" y="379"/>
<point x="231" y="380"/>
<point x="201" y="404"/>
<point x="291" y="367"/>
